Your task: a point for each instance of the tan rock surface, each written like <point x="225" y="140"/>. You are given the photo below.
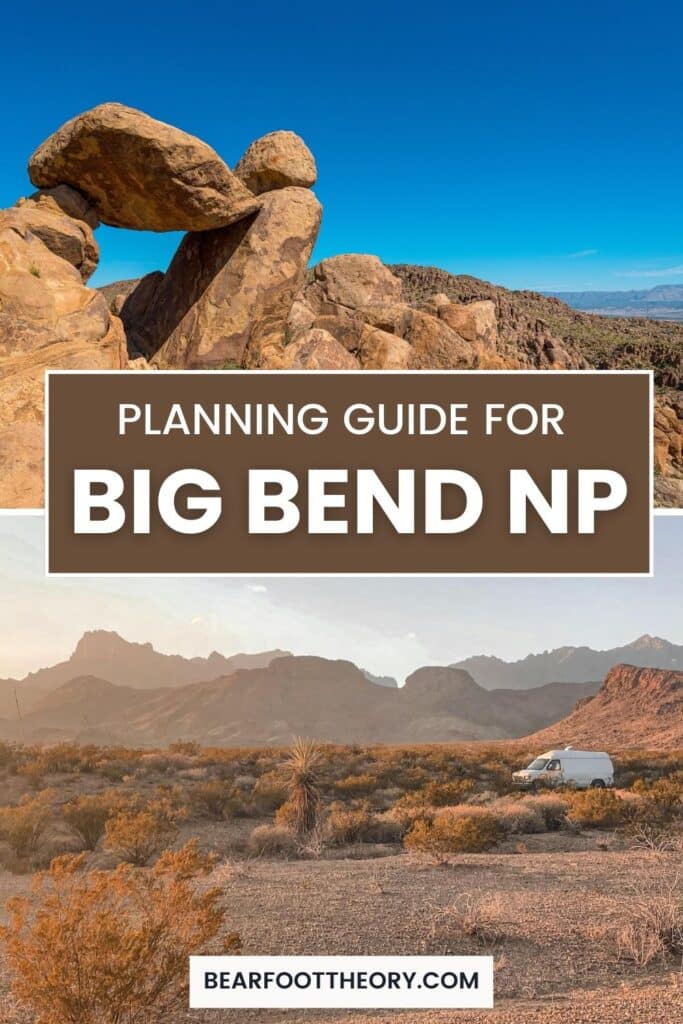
<point x="277" y="160"/>
<point x="141" y="173"/>
<point x="69" y="201"/>
<point x="474" y="321"/>
<point x="21" y="407"/>
<point x="231" y="289"/>
<point x="318" y="350"/>
<point x="356" y="281"/>
<point x="380" y="350"/>
<point x="72" y="240"/>
<point x="48" y="319"/>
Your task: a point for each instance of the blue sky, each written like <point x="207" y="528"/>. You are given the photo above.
<point x="387" y="626"/>
<point x="532" y="144"/>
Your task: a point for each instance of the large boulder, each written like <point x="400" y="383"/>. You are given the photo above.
<point x="48" y="319"/>
<point x="42" y="297"/>
<point x="141" y="173"/>
<point x="380" y="350"/>
<point x="231" y="290"/>
<point x="277" y="160"/>
<point x="355" y="281"/>
<point x="474" y="321"/>
<point x="63" y="234"/>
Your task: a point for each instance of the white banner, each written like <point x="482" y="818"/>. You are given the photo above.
<point x="319" y="982"/>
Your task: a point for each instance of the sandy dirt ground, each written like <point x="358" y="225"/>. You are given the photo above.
<point x="546" y="917"/>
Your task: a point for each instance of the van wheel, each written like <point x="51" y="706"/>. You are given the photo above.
<point x="597" y="784"/>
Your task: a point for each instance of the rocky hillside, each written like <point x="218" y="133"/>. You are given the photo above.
<point x="634" y="707"/>
<point x="571" y="664"/>
<point x="238" y="291"/>
<point x="327" y="700"/>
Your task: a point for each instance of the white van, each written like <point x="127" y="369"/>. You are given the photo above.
<point x="568" y="767"/>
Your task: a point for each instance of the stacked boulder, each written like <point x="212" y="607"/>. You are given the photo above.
<point x="229" y="288"/>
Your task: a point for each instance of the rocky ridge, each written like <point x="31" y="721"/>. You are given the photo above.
<point x="634" y="707"/>
<point x="238" y="292"/>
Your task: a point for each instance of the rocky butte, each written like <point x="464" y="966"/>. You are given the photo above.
<point x="239" y="292"/>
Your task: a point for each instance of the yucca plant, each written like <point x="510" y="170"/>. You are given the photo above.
<point x="303" y="790"/>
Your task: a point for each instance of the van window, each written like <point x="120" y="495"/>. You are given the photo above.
<point x="538" y="765"/>
<point x="553" y="766"/>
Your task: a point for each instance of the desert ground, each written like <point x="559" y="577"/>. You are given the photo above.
<point x="577" y="896"/>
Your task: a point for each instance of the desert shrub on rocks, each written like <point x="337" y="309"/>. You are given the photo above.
<point x="273" y="841"/>
<point x="596" y="808"/>
<point x="23" y="826"/>
<point x="455" y="830"/>
<point x="137" y="835"/>
<point x="103" y="947"/>
<point x="87" y="817"/>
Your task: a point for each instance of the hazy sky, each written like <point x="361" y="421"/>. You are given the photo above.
<point x="387" y="626"/>
<point x="532" y="144"/>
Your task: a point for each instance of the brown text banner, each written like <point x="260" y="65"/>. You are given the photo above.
<point x="349" y="473"/>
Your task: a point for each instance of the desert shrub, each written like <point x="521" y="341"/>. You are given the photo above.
<point x="87" y="817"/>
<point x="517" y="817"/>
<point x="663" y="798"/>
<point x="8" y="756"/>
<point x="552" y="808"/>
<point x="344" y="826"/>
<point x="596" y="808"/>
<point x="22" y="827"/>
<point x="136" y="835"/>
<point x="104" y="947"/>
<point x="273" y="841"/>
<point x="213" y="799"/>
<point x="269" y="792"/>
<point x="439" y="794"/>
<point x="188" y="748"/>
<point x="300" y="772"/>
<point x="357" y="785"/>
<point x="472" y="831"/>
<point x="652" y="919"/>
<point x="475" y="915"/>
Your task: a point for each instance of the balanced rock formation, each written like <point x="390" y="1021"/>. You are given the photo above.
<point x="227" y="293"/>
<point x="277" y="160"/>
<point x="141" y="173"/>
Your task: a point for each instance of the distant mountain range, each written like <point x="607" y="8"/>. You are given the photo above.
<point x="663" y="302"/>
<point x="112" y="691"/>
<point x="328" y="700"/>
<point x="571" y="664"/>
